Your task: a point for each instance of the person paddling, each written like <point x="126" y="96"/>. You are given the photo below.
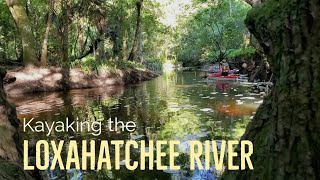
<point x="225" y="67"/>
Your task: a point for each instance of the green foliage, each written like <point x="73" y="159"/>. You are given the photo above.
<point x="243" y="52"/>
<point x="215" y="31"/>
<point x="9" y="45"/>
<point x="90" y="63"/>
<point x="204" y="31"/>
<point x="154" y="32"/>
<point x="105" y="25"/>
<point x="154" y="65"/>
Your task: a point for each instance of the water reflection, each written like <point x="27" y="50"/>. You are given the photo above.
<point x="174" y="106"/>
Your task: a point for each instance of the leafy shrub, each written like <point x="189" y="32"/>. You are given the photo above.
<point x="89" y="64"/>
<point x="243" y="52"/>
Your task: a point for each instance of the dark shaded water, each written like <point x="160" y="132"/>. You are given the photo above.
<point x="173" y="106"/>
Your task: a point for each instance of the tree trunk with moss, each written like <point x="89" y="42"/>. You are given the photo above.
<point x="286" y="129"/>
<point x="20" y="17"/>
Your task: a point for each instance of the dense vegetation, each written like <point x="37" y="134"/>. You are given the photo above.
<point x="77" y="32"/>
<point x="216" y="31"/>
<point x="285" y="129"/>
<point x="61" y="32"/>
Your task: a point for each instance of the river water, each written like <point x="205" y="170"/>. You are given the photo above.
<point x="175" y="106"/>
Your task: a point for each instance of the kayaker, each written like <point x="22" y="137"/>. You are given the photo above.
<point x="225" y="67"/>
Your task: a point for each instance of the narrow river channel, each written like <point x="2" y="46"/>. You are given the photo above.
<point x="175" y="106"/>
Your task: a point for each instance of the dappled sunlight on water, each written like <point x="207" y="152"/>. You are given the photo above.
<point x="233" y="109"/>
<point x="175" y="106"/>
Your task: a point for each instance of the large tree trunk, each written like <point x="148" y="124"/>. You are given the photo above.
<point x="134" y="54"/>
<point x="44" y="50"/>
<point x="286" y="129"/>
<point x="10" y="140"/>
<point x="25" y="29"/>
<point x="8" y="123"/>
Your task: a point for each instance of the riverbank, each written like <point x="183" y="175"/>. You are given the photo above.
<point x="34" y="79"/>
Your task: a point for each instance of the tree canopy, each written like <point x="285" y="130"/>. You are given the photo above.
<point x="61" y="32"/>
<point x="216" y="31"/>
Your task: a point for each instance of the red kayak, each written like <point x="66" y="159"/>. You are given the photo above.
<point x="218" y="76"/>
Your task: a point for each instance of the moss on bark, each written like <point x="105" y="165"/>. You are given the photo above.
<point x="286" y="128"/>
